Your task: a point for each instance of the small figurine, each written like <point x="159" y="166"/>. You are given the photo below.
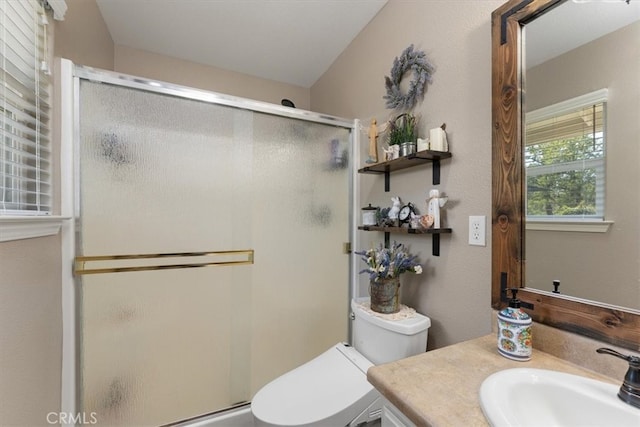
<point x="415" y="221"/>
<point x="373" y="142"/>
<point x="383" y="216"/>
<point x="395" y="209"/>
<point x="388" y="153"/>
<point x="434" y="204"/>
<point x="426" y="221"/>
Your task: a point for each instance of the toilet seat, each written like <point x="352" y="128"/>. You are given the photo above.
<point x="331" y="389"/>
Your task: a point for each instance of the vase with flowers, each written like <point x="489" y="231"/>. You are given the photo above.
<point x="384" y="267"/>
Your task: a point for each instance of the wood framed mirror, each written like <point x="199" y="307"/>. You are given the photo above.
<point x="608" y="323"/>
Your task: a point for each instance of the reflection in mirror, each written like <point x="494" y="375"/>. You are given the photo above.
<point x="581" y="151"/>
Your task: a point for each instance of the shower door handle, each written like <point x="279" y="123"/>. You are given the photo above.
<point x="164" y="261"/>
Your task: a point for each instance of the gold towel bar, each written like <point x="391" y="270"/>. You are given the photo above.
<point x="230" y="258"/>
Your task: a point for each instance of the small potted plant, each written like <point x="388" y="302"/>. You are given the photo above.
<point x="403" y="133"/>
<point x="384" y="267"/>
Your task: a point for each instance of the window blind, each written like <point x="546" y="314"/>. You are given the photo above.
<point x="588" y="120"/>
<point x="25" y="149"/>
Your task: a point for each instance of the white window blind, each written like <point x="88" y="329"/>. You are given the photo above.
<point x="25" y="149"/>
<point x="565" y="160"/>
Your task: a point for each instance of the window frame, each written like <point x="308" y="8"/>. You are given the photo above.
<point x="580" y="223"/>
<point x="24" y="224"/>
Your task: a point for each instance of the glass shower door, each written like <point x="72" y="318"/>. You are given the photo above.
<point x="163" y="174"/>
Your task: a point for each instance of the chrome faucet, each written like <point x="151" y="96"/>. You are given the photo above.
<point x="630" y="388"/>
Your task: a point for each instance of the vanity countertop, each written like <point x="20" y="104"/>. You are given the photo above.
<point x="441" y="387"/>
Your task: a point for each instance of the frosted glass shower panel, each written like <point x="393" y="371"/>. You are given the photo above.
<point x="300" y="221"/>
<point x="155" y="177"/>
<point x="156" y="170"/>
<point x="162" y="174"/>
<point x="156" y="345"/>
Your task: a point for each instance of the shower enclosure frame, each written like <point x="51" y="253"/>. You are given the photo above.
<point x="67" y="81"/>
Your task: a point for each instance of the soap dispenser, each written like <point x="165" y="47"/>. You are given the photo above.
<point x="514" y="330"/>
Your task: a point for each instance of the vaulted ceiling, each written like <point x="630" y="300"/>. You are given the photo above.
<point x="290" y="41"/>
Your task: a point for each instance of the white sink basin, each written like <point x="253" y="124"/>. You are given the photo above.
<point x="539" y="397"/>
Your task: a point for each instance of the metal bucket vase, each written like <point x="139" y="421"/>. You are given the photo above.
<point x="407" y="148"/>
<point x="385" y="295"/>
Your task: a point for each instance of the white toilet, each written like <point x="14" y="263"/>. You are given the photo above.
<point x="332" y="390"/>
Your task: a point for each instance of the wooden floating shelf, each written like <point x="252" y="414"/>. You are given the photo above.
<point x="404" y="162"/>
<point x="405" y="230"/>
<point x="435" y="233"/>
<point x="426" y="156"/>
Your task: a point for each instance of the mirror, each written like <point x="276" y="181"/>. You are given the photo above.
<point x="600" y="320"/>
<point x="582" y="194"/>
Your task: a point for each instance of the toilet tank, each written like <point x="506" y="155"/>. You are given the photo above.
<point x="383" y="341"/>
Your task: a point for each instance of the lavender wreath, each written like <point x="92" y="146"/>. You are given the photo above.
<point x="422" y="69"/>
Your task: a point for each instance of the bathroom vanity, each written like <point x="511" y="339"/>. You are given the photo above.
<point x="441" y="387"/>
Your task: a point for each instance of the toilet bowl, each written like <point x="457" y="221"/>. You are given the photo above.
<point x="329" y="389"/>
<point x="332" y="389"/>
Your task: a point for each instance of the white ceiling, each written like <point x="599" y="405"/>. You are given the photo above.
<point x="295" y="41"/>
<point x="575" y="23"/>
<point x="290" y="41"/>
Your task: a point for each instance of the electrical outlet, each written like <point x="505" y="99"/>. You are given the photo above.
<point x="477" y="230"/>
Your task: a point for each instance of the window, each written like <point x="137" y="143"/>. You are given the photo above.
<point x="25" y="149"/>
<point x="564" y="158"/>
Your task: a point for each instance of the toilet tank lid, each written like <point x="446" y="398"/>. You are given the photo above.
<point x="409" y="326"/>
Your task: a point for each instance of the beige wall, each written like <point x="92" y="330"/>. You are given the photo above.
<point x="30" y="330"/>
<point x="164" y="68"/>
<point x="454" y="290"/>
<point x="83" y="36"/>
<point x="596" y="266"/>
